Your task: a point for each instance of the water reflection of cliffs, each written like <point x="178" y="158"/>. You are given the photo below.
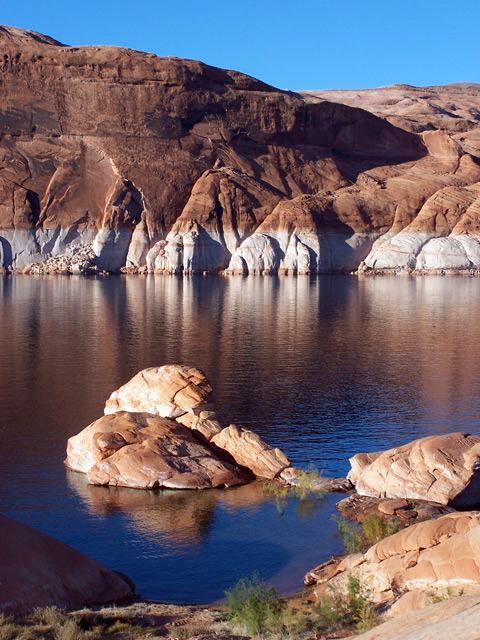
<point x="183" y="517"/>
<point x="285" y="355"/>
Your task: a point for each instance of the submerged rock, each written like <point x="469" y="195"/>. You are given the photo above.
<point x="443" y="469"/>
<point x="37" y="570"/>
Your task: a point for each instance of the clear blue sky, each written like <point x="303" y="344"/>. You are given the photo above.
<point x="322" y="44"/>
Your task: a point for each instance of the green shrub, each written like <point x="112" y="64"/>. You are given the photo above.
<point x="351" y="535"/>
<point x="309" y="491"/>
<point x="255" y="606"/>
<point x="376" y="528"/>
<point x="352" y="610"/>
<point x="357" y="539"/>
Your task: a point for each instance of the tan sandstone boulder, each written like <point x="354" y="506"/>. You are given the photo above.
<point x="248" y="450"/>
<point x="443" y="469"/>
<point x="169" y="391"/>
<point x="145" y="451"/>
<point x="410" y="568"/>
<point x="160" y="431"/>
<point x="37" y="570"/>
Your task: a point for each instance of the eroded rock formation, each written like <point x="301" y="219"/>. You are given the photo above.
<point x="144" y="451"/>
<point x="116" y="159"/>
<point x="37" y="570"/>
<point x="443" y="469"/>
<point x="409" y="568"/>
<point x="159" y="430"/>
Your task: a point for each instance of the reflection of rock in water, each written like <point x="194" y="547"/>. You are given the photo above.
<point x="184" y="517"/>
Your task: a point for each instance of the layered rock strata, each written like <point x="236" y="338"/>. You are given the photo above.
<point x="409" y="568"/>
<point x="159" y="430"/>
<point x="443" y="469"/>
<point x="119" y="159"/>
<point x="37" y="570"/>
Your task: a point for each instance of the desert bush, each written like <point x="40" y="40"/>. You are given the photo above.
<point x="9" y="631"/>
<point x="354" y="609"/>
<point x="254" y="606"/>
<point x="373" y="528"/>
<point x="50" y="616"/>
<point x="71" y="630"/>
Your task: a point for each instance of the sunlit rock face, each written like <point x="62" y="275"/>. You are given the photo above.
<point x="144" y="451"/>
<point x="37" y="570"/>
<point x="435" y="621"/>
<point x="443" y="469"/>
<point x="160" y="430"/>
<point x="167" y="391"/>
<point x="427" y="560"/>
<point x="172" y="166"/>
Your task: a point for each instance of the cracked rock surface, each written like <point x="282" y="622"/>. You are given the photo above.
<point x="160" y="430"/>
<point x="443" y="469"/>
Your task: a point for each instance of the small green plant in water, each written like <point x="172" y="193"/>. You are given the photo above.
<point x="255" y="606"/>
<point x="309" y="491"/>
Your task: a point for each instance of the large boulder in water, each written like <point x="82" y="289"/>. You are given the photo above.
<point x="144" y="451"/>
<point x="443" y="469"/>
<point x="37" y="570"/>
<point x="160" y="431"/>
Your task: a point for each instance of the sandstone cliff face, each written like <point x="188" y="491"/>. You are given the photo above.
<point x="114" y="158"/>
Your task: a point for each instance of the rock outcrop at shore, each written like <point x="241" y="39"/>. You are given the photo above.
<point x="458" y="618"/>
<point x="443" y="469"/>
<point x="160" y="431"/>
<point x="117" y="159"/>
<point x="37" y="570"/>
<point x="409" y="568"/>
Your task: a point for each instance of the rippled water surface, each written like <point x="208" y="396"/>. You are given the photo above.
<point x="322" y="368"/>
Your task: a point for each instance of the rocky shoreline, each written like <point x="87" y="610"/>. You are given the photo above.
<point x="160" y="430"/>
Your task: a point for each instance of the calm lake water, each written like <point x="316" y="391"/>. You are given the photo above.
<point x="323" y="368"/>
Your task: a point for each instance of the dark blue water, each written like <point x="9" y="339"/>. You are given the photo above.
<point x="322" y="368"/>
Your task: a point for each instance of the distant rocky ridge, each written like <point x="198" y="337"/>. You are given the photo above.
<point x="115" y="159"/>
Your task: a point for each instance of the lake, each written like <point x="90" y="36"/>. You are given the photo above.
<point x="322" y="367"/>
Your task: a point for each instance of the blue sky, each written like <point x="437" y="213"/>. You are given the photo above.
<point x="304" y="45"/>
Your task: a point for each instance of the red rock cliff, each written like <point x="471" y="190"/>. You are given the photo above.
<point x="117" y="158"/>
